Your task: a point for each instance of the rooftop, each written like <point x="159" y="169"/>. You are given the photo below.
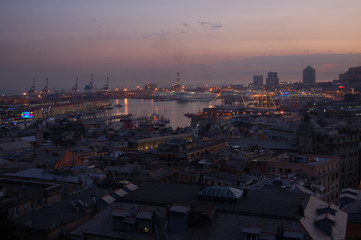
<point x="314" y="160"/>
<point x="280" y="205"/>
<point x="102" y="223"/>
<point x="25" y="191"/>
<point x="38" y="173"/>
<point x="61" y="212"/>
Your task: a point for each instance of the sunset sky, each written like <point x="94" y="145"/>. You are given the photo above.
<point x="214" y="42"/>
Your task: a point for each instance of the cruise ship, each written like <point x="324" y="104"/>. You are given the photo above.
<point x="164" y="96"/>
<point x="193" y="96"/>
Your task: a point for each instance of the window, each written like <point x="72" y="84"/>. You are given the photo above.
<point x="26" y="207"/>
<point x="11" y="212"/>
<point x="248" y="236"/>
<point x="17" y="211"/>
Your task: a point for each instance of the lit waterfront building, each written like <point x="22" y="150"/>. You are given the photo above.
<point x="351" y="78"/>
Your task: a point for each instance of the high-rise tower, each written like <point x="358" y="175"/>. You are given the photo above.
<point x="257" y="81"/>
<point x="309" y="77"/>
<point x="272" y="80"/>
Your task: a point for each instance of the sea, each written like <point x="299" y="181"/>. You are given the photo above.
<point x="172" y="110"/>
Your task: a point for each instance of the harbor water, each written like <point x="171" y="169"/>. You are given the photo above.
<point x="172" y="110"/>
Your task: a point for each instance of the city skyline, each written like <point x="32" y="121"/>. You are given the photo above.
<point x="208" y="42"/>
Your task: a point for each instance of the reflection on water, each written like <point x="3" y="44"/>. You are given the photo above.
<point x="125" y="106"/>
<point x="172" y="110"/>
